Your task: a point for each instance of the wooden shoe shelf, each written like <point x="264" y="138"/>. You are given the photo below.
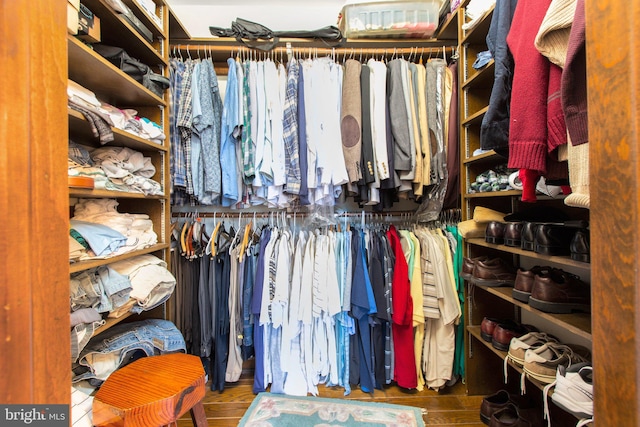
<point x="485" y="364"/>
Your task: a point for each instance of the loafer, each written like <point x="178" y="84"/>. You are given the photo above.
<point x="513" y="234"/>
<point x="499" y="400"/>
<point x="528" y="235"/>
<point x="580" y="247"/>
<point x="505" y="332"/>
<point x="494" y="232"/>
<point x="487" y="327"/>
<point x="553" y="239"/>
<point x="468" y="264"/>
<point x="560" y="292"/>
<point x="524" y="282"/>
<point x="494" y="272"/>
<point x="512" y="416"/>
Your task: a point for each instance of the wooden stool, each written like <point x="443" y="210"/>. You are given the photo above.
<point x="152" y="391"/>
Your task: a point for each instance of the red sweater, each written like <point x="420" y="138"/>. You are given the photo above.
<point x="537" y="124"/>
<point x="402" y="327"/>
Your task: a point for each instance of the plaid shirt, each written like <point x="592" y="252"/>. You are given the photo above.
<point x="290" y="130"/>
<point x="247" y="144"/>
<point x="183" y="121"/>
<point x="176" y="162"/>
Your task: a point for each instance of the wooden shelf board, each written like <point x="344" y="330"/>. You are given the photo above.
<point x="576" y="323"/>
<point x="474" y="331"/>
<point x="482" y="78"/>
<point x="490" y="155"/>
<point x="83" y="192"/>
<point x="475" y="118"/>
<point x="111" y="322"/>
<point x="78" y="125"/>
<point x="449" y="28"/>
<point x="177" y="31"/>
<point x="111" y="85"/>
<point x="116" y="31"/>
<point x="562" y="260"/>
<point x="145" y="18"/>
<point x="224" y="45"/>
<point x="477" y="35"/>
<point x="507" y="193"/>
<point x="91" y="263"/>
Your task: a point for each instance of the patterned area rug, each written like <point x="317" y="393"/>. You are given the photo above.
<point x="276" y="410"/>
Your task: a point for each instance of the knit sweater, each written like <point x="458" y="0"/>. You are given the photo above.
<point x="553" y="36"/>
<point x="536" y="126"/>
<point x="574" y="80"/>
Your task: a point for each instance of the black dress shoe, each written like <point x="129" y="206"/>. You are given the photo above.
<point x="579" y="246"/>
<point x="553" y="239"/>
<point x="513" y="234"/>
<point x="528" y="235"/>
<point x="494" y="232"/>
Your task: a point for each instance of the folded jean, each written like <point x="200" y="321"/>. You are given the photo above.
<point x="80" y="336"/>
<point x="102" y="288"/>
<point x="482" y="59"/>
<point x="119" y="344"/>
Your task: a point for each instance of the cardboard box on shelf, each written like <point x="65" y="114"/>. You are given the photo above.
<point x="72" y="16"/>
<point x="88" y="25"/>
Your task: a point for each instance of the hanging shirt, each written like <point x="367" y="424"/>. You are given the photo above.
<point x="290" y="130"/>
<point x="229" y="138"/>
<point x="405" y="369"/>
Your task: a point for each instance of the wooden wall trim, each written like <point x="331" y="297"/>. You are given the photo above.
<point x="34" y="321"/>
<point x="613" y="72"/>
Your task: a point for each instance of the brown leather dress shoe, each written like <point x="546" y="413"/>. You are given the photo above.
<point x="468" y="264"/>
<point x="579" y="246"/>
<point x="494" y="272"/>
<point x="494" y="233"/>
<point x="560" y="292"/>
<point x="504" y="332"/>
<point x="512" y="416"/>
<point x="513" y="234"/>
<point x="553" y="239"/>
<point x="500" y="400"/>
<point x="487" y="327"/>
<point x="528" y="235"/>
<point x="524" y="282"/>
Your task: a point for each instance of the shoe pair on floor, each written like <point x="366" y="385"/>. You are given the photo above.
<point x="506" y="409"/>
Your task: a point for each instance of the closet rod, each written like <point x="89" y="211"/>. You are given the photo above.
<point x="194" y="50"/>
<point x="262" y="215"/>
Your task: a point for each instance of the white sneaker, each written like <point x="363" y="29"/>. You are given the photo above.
<point x="574" y="390"/>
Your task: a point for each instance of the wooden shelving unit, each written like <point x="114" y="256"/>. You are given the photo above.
<point x="111" y="85"/>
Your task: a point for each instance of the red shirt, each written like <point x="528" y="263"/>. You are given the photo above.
<point x="402" y="317"/>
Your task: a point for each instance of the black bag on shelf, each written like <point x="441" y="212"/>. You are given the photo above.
<point x="139" y="71"/>
<point x="257" y="36"/>
<point x="250" y="34"/>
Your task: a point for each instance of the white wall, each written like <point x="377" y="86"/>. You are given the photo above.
<point x="282" y="15"/>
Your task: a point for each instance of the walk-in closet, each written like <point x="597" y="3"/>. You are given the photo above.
<point x="342" y="212"/>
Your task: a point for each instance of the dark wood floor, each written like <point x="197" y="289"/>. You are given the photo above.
<point x="450" y="407"/>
